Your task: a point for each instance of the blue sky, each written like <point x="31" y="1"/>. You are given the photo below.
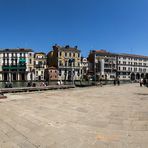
<point x="114" y="25"/>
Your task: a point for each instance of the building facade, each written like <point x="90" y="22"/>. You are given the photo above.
<point x="16" y="64"/>
<point x="84" y="68"/>
<point x="132" y="67"/>
<point x="39" y="66"/>
<point x="51" y="74"/>
<point x="124" y="66"/>
<point x="67" y="60"/>
<point x="102" y="64"/>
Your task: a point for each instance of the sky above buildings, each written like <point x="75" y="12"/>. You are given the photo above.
<point x="114" y="25"/>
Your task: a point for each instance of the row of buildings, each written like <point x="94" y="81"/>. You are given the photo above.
<point x="66" y="64"/>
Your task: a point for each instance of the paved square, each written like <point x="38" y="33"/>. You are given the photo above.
<point x="93" y="117"/>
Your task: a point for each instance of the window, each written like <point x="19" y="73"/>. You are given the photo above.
<point x="140" y="69"/>
<point x="60" y="72"/>
<point x="135" y="63"/>
<point x="30" y="61"/>
<point x="135" y="69"/>
<point x="78" y="55"/>
<point x="78" y="73"/>
<point x="124" y="68"/>
<point x="124" y="62"/>
<point x="65" y="54"/>
<point x="60" y="63"/>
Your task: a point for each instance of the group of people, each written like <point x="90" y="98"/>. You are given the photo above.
<point x="8" y="85"/>
<point x="31" y="84"/>
<point x="59" y="82"/>
<point x="142" y="82"/>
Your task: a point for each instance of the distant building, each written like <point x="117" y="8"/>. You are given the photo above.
<point x="110" y="65"/>
<point x="39" y="66"/>
<point x="84" y="68"/>
<point x="102" y="64"/>
<point x="67" y="60"/>
<point x="16" y="64"/>
<point x="51" y="74"/>
<point x="130" y="66"/>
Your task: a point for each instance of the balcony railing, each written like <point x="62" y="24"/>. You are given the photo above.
<point x="14" y="67"/>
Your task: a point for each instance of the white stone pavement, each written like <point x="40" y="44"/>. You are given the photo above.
<point x="93" y="117"/>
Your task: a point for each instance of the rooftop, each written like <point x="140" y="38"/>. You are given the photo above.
<point x="16" y="50"/>
<point x="105" y="52"/>
<point x="66" y="48"/>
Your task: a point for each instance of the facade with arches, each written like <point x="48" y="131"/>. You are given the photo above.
<point x="133" y="67"/>
<point x="124" y="66"/>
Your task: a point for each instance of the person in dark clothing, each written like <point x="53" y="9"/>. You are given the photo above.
<point x="101" y="82"/>
<point x="114" y="81"/>
<point x="144" y="81"/>
<point x="118" y="81"/>
<point x="29" y="84"/>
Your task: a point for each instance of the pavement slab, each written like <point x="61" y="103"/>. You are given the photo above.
<point x="91" y="117"/>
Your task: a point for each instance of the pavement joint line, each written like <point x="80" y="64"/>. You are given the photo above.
<point x="36" y="146"/>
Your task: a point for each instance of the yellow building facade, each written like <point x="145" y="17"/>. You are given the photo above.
<point x="67" y="60"/>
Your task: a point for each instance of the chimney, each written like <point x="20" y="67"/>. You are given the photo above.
<point x="67" y="46"/>
<point x="76" y="47"/>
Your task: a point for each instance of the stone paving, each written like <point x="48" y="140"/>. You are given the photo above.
<point x="93" y="117"/>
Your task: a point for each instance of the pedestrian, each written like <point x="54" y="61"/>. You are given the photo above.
<point x="114" y="81"/>
<point x="118" y="81"/>
<point x="141" y="82"/>
<point x="144" y="81"/>
<point x="101" y="82"/>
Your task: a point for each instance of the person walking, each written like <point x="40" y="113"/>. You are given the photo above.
<point x="101" y="82"/>
<point x="118" y="81"/>
<point x="114" y="81"/>
<point x="141" y="82"/>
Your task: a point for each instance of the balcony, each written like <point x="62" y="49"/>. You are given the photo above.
<point x="12" y="67"/>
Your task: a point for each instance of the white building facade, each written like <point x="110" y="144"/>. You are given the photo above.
<point x="16" y="64"/>
<point x="124" y="66"/>
<point x="132" y="67"/>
